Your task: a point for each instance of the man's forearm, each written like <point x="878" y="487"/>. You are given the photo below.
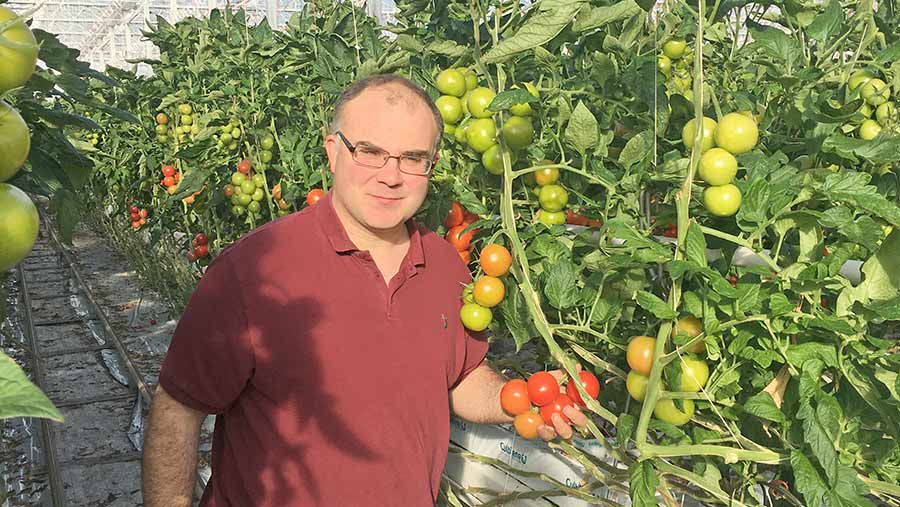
<point x="170" y="454"/>
<point x="477" y="397"/>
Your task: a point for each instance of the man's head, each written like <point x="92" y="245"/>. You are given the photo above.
<point x="391" y="115"/>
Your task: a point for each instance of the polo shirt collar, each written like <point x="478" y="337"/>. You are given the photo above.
<point x="337" y="235"/>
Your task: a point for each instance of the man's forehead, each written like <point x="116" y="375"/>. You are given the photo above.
<point x="380" y="114"/>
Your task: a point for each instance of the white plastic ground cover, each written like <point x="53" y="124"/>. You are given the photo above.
<point x="501" y="443"/>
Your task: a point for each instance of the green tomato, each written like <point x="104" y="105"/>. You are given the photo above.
<point x="481" y="134"/>
<point x="187" y="119"/>
<point x="869" y="130"/>
<point x="736" y="133"/>
<point x="460" y="132"/>
<point x="254" y="207"/>
<point x="690" y="130"/>
<point x="226" y="128"/>
<point x="524" y="109"/>
<point x="451" y="82"/>
<point x="162" y="139"/>
<point x="550" y="218"/>
<point x="636" y="384"/>
<point x="195" y="129"/>
<point x="722" y="201"/>
<point x="553" y="198"/>
<point x="449" y="129"/>
<point x="225" y="139"/>
<point x="478" y="101"/>
<point x="15" y="140"/>
<point x="265" y="156"/>
<point x="245" y="199"/>
<point x="19" y="224"/>
<point x="237" y="210"/>
<point x="233" y="145"/>
<point x="248" y="187"/>
<point x="694" y="374"/>
<point x="875" y="91"/>
<point x="859" y="78"/>
<point x="718" y="166"/>
<point x="450" y="108"/>
<point x="16" y="63"/>
<point x="259" y="180"/>
<point x="267" y="142"/>
<point x="236" y="133"/>
<point x="258" y="195"/>
<point x="666" y="411"/>
<point x="885" y="113"/>
<point x="235" y="199"/>
<point x="674" y="48"/>
<point x="475" y="317"/>
<point x="162" y="129"/>
<point x="866" y="109"/>
<point x="185" y="109"/>
<point x="238" y="179"/>
<point x="492" y="159"/>
<point x="664" y="64"/>
<point x="471" y="79"/>
<point x="517" y="132"/>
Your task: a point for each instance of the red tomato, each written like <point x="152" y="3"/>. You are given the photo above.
<point x="514" y="397"/>
<point x="314" y="195"/>
<point x="556" y="406"/>
<point x="134" y="209"/>
<point x="177" y="177"/>
<point x="228" y="190"/>
<point x="594" y="223"/>
<point x="191" y="257"/>
<point x="135" y="225"/>
<point x="168" y="181"/>
<point x="201" y="238"/>
<point x="201" y="251"/>
<point x="469" y="218"/>
<point x="168" y="170"/>
<point x="573" y="218"/>
<point x="244" y="166"/>
<point x="526" y="425"/>
<point x="671" y="231"/>
<point x="459" y="239"/>
<point x="495" y="260"/>
<point x="144" y="213"/>
<point x="542" y="388"/>
<point x="135" y="217"/>
<point x="591" y="385"/>
<point x="454" y="216"/>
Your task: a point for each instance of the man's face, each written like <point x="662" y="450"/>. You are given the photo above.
<point x="393" y="119"/>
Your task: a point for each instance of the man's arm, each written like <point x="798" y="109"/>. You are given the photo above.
<point x="477" y="399"/>
<point x="170" y="452"/>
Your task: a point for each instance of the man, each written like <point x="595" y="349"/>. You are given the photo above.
<point x="328" y="343"/>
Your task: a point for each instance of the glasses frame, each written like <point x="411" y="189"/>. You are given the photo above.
<point x="352" y="148"/>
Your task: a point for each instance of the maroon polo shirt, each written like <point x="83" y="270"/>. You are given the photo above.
<point x="331" y="387"/>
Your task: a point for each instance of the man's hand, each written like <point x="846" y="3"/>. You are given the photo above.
<point x="560" y="427"/>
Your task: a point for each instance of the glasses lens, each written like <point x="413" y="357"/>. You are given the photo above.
<point x="415" y="165"/>
<point x="367" y="155"/>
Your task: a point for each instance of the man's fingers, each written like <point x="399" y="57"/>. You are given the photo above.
<point x="562" y="427"/>
<point x="546" y="433"/>
<point x="576" y="416"/>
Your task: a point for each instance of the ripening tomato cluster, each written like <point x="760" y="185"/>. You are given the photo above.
<point x="488" y="289"/>
<point x="170" y="179"/>
<point x="464" y="108"/>
<point x="533" y="402"/>
<point x="200" y="247"/>
<point x="187" y="125"/>
<point x="458" y="218"/>
<point x="674" y="62"/>
<point x="694" y="371"/>
<point x="876" y="95"/>
<point x="246" y="191"/>
<point x="733" y="134"/>
<point x="138" y="217"/>
<point x="552" y="197"/>
<point x="283" y="206"/>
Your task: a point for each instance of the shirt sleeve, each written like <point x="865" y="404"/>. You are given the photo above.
<point x="210" y="359"/>
<point x="470" y="348"/>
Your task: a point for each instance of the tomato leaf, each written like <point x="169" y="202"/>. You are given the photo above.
<point x="642" y="484"/>
<point x="68" y="209"/>
<point x="515" y="314"/>
<point x="797" y="354"/>
<point x="466" y="197"/>
<point x="653" y="304"/>
<point x="19" y="397"/>
<point x="779" y="46"/>
<point x="581" y="131"/>
<point x="779" y="304"/>
<point x="549" y="20"/>
<point x="881" y="150"/>
<point x="625" y="429"/>
<point x="596" y="17"/>
<point x="637" y="149"/>
<point x="807" y="479"/>
<point x="828" y="23"/>
<point x="695" y="245"/>
<point x="560" y="284"/>
<point x="447" y="48"/>
<point x="762" y="405"/>
<point x="505" y="100"/>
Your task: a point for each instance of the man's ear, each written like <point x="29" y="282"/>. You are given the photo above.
<point x="330" y="145"/>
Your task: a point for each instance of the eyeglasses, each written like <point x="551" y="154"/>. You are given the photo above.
<point x="373" y="156"/>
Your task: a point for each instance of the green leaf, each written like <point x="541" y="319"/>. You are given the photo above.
<point x="762" y="405"/>
<point x="596" y="17"/>
<point x="781" y="47"/>
<point x="807" y="480"/>
<point x="410" y="43"/>
<point x="625" y="428"/>
<point x="515" y="314"/>
<point x="467" y="198"/>
<point x="504" y="100"/>
<point x="655" y="305"/>
<point x="886" y="309"/>
<point x="828" y="23"/>
<point x="447" y="48"/>
<point x="68" y="210"/>
<point x="192" y="181"/>
<point x="779" y="304"/>
<point x="642" y="484"/>
<point x="695" y="245"/>
<point x="19" y="397"/>
<point x="797" y="354"/>
<point x="881" y="150"/>
<point x="882" y="270"/>
<point x="636" y="149"/>
<point x="581" y="131"/>
<point x="538" y="29"/>
<point x="560" y="284"/>
<point x="820" y="440"/>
